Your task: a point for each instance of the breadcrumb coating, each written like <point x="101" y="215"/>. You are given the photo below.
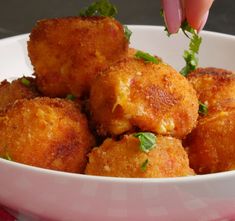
<point x="47" y="133"/>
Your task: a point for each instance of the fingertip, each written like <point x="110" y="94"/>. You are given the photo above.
<point x="172" y="15"/>
<point x="203" y="22"/>
<point x="196" y="11"/>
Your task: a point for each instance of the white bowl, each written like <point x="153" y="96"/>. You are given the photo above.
<point x="56" y="195"/>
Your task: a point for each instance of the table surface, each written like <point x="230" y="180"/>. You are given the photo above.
<point x="19" y="16"/>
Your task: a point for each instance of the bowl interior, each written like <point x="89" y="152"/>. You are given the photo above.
<point x="217" y="50"/>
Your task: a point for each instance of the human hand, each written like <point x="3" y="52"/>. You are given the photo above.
<point x="194" y="11"/>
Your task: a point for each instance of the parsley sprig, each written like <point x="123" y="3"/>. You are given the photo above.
<point x="25" y="82"/>
<point x="70" y="97"/>
<point x="127" y="33"/>
<point x="7" y="157"/>
<point x="186" y="28"/>
<point x="147" y="141"/>
<point x="106" y="9"/>
<point x="6" y="154"/>
<point x="146" y="57"/>
<point x="100" y="8"/>
<point x="191" y="56"/>
<point x="144" y="165"/>
<point x="203" y="109"/>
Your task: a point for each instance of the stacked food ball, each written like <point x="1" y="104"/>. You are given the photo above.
<point x="211" y="146"/>
<point x="93" y="96"/>
<point x="138" y="96"/>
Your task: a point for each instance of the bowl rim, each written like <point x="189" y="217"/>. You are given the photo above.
<point x="159" y="28"/>
<point x="76" y="176"/>
<point x="186" y="179"/>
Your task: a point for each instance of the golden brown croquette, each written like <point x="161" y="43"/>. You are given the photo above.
<point x="124" y="158"/>
<point x="211" y="146"/>
<point x="18" y="89"/>
<point x="215" y="87"/>
<point x="47" y="133"/>
<point x="67" y="53"/>
<point x="151" y="97"/>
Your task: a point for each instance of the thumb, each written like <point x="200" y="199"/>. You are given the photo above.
<point x="196" y="11"/>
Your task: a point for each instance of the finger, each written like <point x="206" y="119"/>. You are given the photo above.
<point x="204" y="19"/>
<point x="196" y="11"/>
<point x="183" y="9"/>
<point x="172" y="14"/>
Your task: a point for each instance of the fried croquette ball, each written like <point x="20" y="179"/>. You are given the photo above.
<point x="17" y="89"/>
<point x="47" y="133"/>
<point x="152" y="97"/>
<point x="211" y="146"/>
<point x="67" y="53"/>
<point x="215" y="87"/>
<point x="124" y="158"/>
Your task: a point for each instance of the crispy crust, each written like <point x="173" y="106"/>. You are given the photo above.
<point x="124" y="159"/>
<point x="211" y="145"/>
<point x="67" y="53"/>
<point x="48" y="133"/>
<point x="10" y="92"/>
<point x="215" y="87"/>
<point x="134" y="94"/>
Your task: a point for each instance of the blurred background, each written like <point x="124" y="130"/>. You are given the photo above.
<point x="19" y="16"/>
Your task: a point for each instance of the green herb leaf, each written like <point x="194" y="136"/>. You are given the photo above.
<point x="203" y="108"/>
<point x="161" y="12"/>
<point x="190" y="56"/>
<point x="146" y="57"/>
<point x="127" y="33"/>
<point x="100" y="8"/>
<point x="7" y="156"/>
<point x="187" y="28"/>
<point x="25" y="81"/>
<point x="70" y="97"/>
<point x="147" y="141"/>
<point x="144" y="165"/>
<point x="195" y="43"/>
<point x="167" y="32"/>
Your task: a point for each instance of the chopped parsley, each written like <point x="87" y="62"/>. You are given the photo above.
<point x="99" y="8"/>
<point x="25" y="81"/>
<point x="190" y="56"/>
<point x="127" y="33"/>
<point x="146" y="57"/>
<point x="70" y="97"/>
<point x="203" y="108"/>
<point x="147" y="141"/>
<point x="106" y="9"/>
<point x="185" y="27"/>
<point x="144" y="165"/>
<point x="161" y="12"/>
<point x="6" y="156"/>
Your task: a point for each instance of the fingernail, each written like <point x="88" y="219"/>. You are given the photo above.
<point x="172" y="14"/>
<point x="203" y="22"/>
